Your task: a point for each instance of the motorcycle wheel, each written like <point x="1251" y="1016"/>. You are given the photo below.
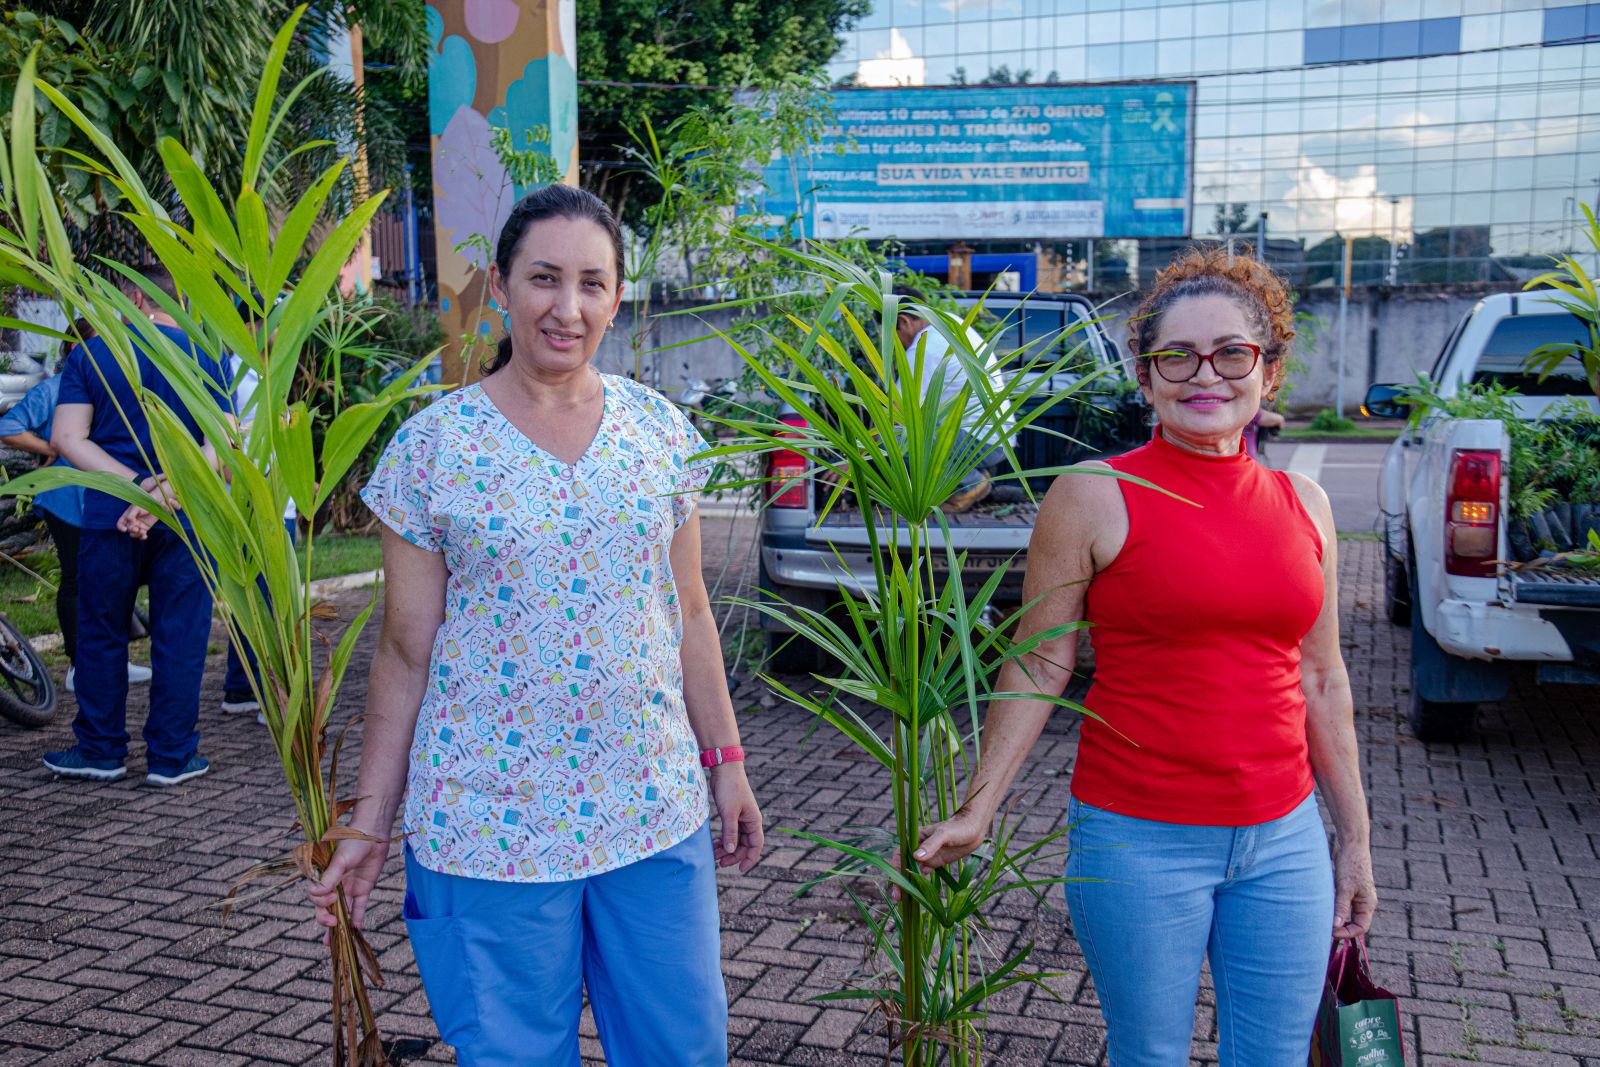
<point x="27" y="692"/>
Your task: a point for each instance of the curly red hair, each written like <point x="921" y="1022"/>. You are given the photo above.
<point x="1212" y="270"/>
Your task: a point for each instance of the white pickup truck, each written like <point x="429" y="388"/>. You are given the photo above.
<point x="1443" y="496"/>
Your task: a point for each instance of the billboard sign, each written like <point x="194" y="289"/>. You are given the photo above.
<point x="1028" y="161"/>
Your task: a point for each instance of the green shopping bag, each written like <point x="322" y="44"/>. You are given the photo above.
<point x="1358" y="1024"/>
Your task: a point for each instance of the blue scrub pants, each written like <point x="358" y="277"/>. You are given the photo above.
<point x="505" y="963"/>
<point x="1257" y="899"/>
<point x="111" y="568"/>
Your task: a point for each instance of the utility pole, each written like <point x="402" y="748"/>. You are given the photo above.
<point x="413" y="258"/>
<point x="1394" y="257"/>
<point x="1344" y="304"/>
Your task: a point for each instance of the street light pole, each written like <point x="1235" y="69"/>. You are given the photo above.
<point x="1394" y="258"/>
<point x="1261" y="238"/>
<point x="1344" y="303"/>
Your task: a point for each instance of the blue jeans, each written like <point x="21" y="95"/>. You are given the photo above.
<point x="505" y="964"/>
<point x="111" y="568"/>
<point x="1258" y="900"/>
<point x="236" y="683"/>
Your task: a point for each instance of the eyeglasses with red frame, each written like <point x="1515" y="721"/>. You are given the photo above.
<point x="1232" y="361"/>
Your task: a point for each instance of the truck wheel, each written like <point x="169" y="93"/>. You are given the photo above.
<point x="1433" y="720"/>
<point x="788" y="653"/>
<point x="1433" y="670"/>
<point x="1396" y="591"/>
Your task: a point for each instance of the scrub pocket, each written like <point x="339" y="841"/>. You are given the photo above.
<point x="438" y="945"/>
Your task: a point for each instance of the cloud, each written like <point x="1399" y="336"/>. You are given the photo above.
<point x="1351" y="206"/>
<point x="894" y="66"/>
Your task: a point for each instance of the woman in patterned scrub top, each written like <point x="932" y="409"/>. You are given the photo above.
<point x="548" y="689"/>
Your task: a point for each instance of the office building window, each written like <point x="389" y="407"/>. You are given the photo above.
<point x="1369" y="41"/>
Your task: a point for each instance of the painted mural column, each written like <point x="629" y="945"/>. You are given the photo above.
<point x="503" y="115"/>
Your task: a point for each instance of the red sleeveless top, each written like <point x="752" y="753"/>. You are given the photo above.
<point x="1196" y="627"/>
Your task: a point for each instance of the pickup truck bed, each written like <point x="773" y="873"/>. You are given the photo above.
<point x="1567" y="589"/>
<point x="1005" y="507"/>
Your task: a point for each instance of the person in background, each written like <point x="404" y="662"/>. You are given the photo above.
<point x="26" y="427"/>
<point x="238" y="694"/>
<point x="914" y="332"/>
<point x="99" y="426"/>
<point x="1266" y="419"/>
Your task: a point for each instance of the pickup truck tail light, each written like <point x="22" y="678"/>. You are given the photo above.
<point x="786" y="487"/>
<point x="1472" y="514"/>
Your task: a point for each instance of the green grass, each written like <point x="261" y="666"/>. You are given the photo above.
<point x="337" y="554"/>
<point x="1356" y="433"/>
<point x="26" y="601"/>
<point x="31" y="603"/>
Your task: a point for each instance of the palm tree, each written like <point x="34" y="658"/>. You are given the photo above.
<point x="184" y="69"/>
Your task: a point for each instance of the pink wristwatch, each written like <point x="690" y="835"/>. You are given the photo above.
<point x="714" y="757"/>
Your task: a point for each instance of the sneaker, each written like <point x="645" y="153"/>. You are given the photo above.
<point x="137" y="673"/>
<point x="963" y="499"/>
<point x="196" y="766"/>
<point x="239" y="703"/>
<point x="74" y="764"/>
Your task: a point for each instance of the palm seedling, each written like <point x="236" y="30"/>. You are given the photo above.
<point x="225" y="255"/>
<point x="915" y="655"/>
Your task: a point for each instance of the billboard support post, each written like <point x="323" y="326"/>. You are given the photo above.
<point x="960" y="274"/>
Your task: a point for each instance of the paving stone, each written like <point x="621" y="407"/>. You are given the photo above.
<point x="1487" y="856"/>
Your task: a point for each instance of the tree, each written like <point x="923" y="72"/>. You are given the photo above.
<point x="1003" y="75"/>
<point x="179" y="69"/>
<point x="707" y="46"/>
<point x="1369" y="261"/>
<point x="1232" y="218"/>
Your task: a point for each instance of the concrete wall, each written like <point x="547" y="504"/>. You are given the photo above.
<point x="689" y="347"/>
<point x="1391" y="335"/>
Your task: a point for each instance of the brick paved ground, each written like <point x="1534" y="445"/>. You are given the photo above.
<point x="1485" y="852"/>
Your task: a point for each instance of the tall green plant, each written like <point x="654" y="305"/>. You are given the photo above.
<point x="1579" y="295"/>
<point x="917" y="658"/>
<point x="227" y="508"/>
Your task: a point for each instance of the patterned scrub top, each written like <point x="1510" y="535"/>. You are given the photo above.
<point x="553" y="742"/>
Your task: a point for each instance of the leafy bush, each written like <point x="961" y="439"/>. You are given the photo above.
<point x="357" y="348"/>
<point x="1329" y="421"/>
<point x="1554" y="471"/>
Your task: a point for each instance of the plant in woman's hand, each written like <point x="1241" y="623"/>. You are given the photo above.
<point x="232" y="255"/>
<point x="917" y="656"/>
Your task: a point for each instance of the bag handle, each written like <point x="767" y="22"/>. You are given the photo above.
<point x="1344" y="950"/>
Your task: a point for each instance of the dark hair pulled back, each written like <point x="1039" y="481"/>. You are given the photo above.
<point x="1216" y="271"/>
<point x="550" y="202"/>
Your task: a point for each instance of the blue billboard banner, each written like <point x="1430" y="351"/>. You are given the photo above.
<point x="1029" y="161"/>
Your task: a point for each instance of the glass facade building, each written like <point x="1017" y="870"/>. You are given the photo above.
<point x="1448" y="142"/>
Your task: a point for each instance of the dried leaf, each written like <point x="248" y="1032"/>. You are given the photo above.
<point x="350" y="833"/>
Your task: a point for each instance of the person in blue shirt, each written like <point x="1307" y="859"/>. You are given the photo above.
<point x="99" y="426"/>
<point x="26" y="427"/>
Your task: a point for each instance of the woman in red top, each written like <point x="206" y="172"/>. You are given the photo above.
<point x="1220" y="690"/>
